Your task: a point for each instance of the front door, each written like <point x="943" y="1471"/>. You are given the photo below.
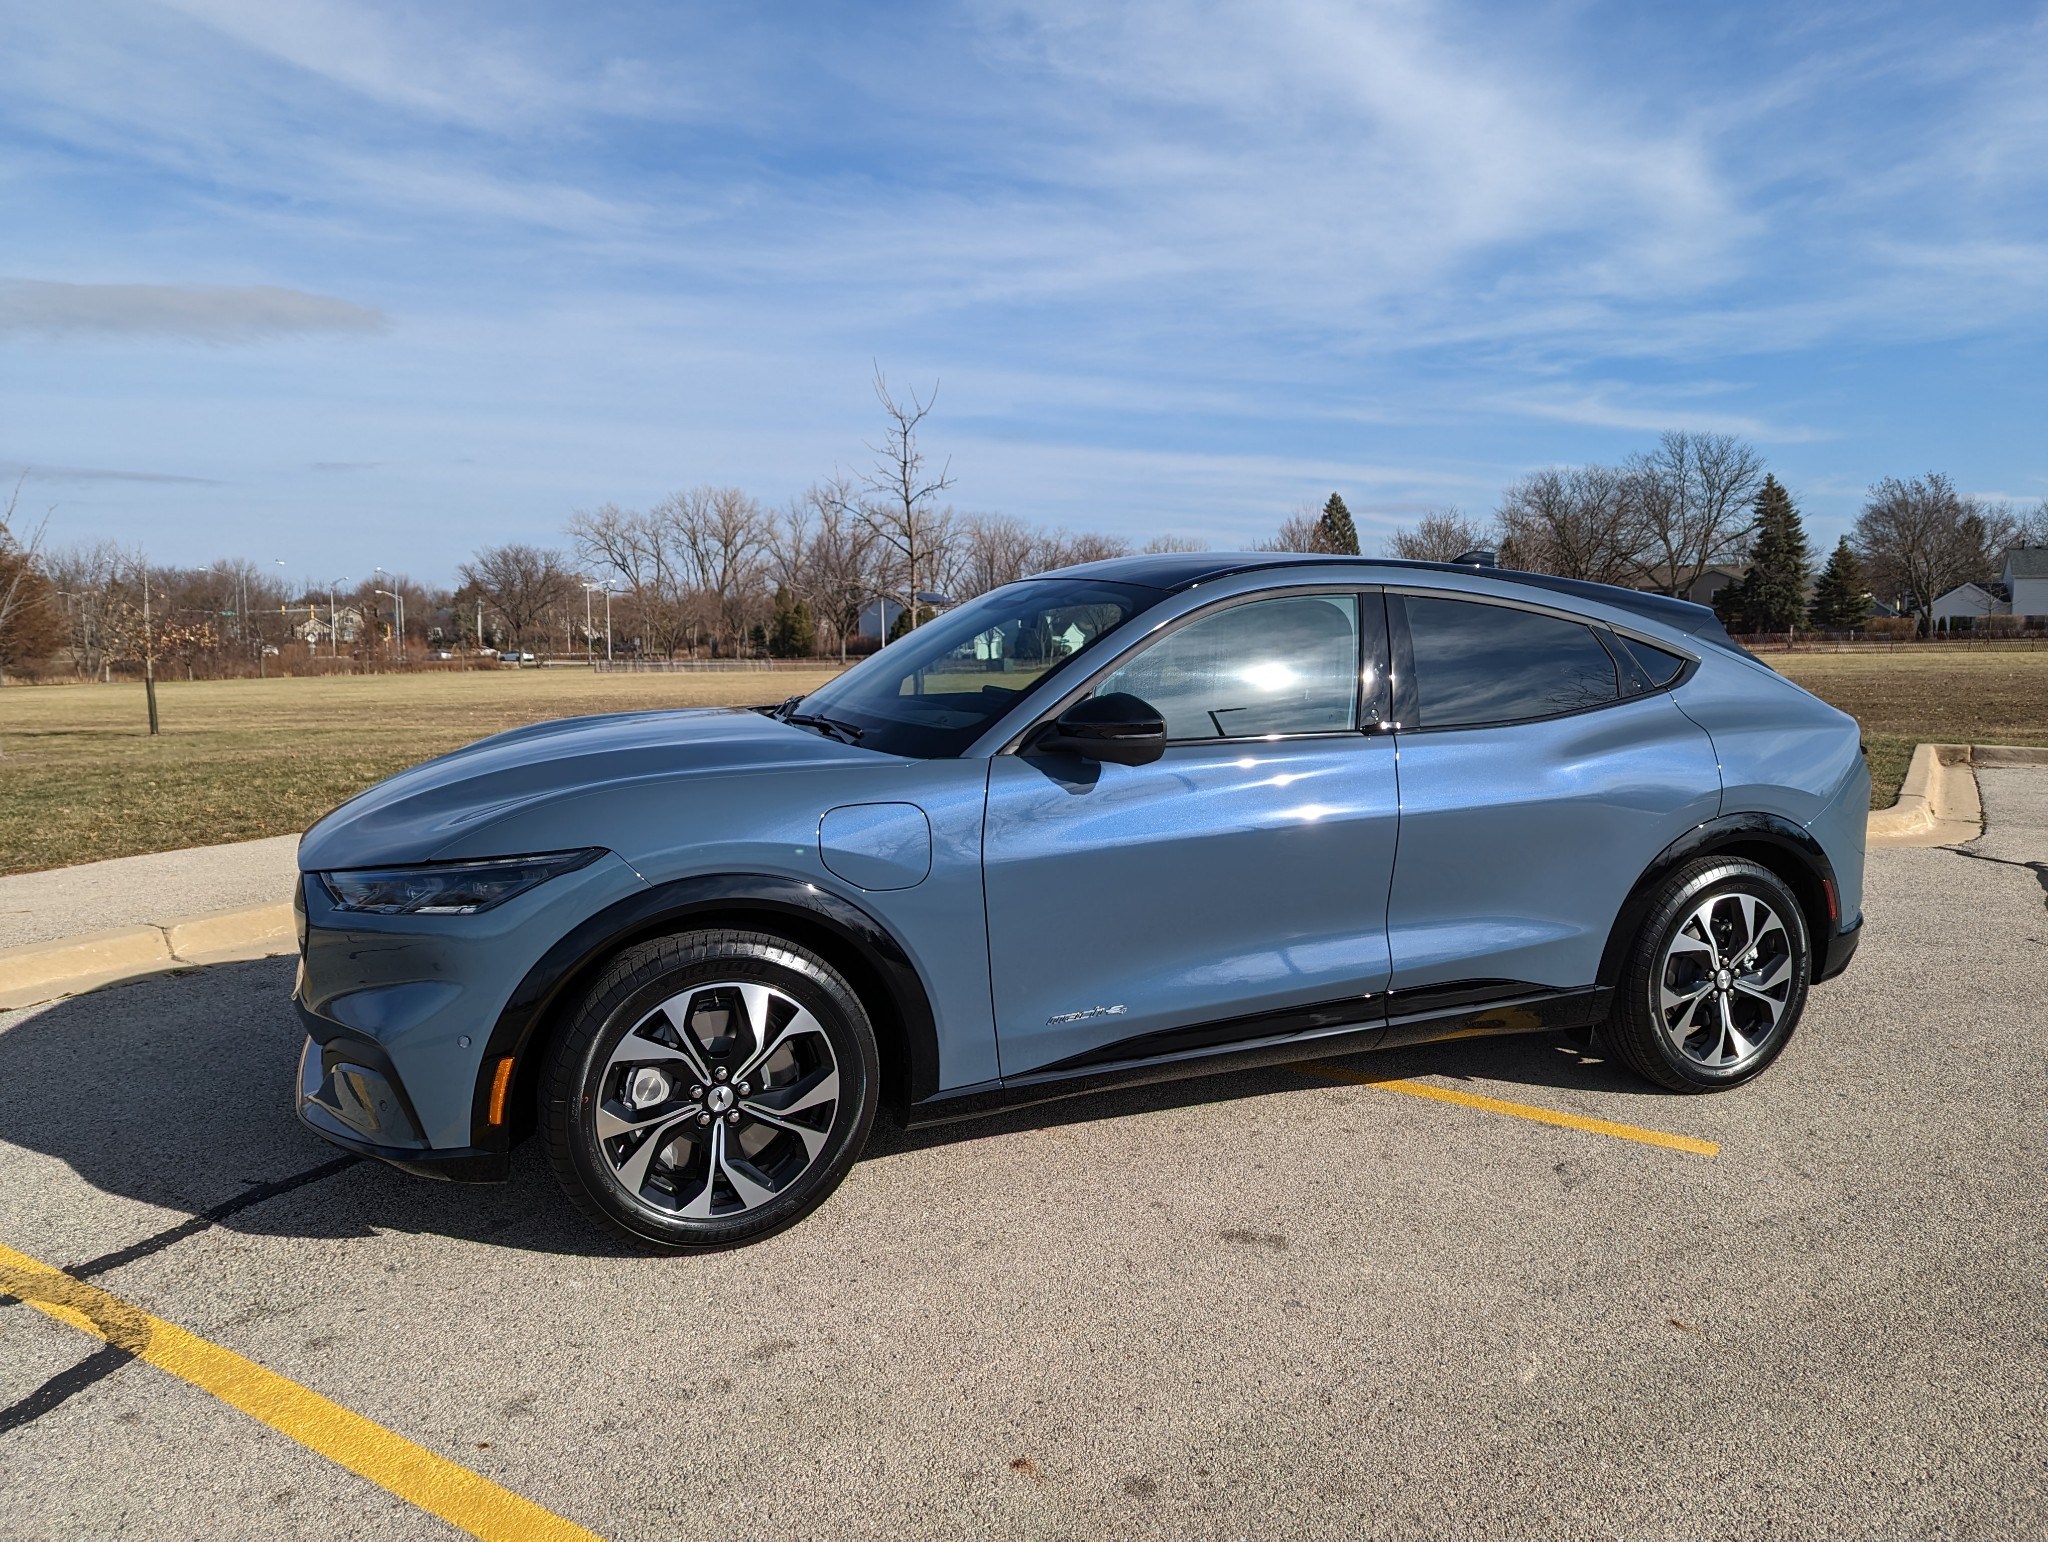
<point x="1235" y="888"/>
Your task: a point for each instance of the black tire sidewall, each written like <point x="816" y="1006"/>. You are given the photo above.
<point x="633" y="986"/>
<point x="1640" y="1018"/>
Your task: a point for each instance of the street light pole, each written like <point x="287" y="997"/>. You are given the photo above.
<point x="607" y="621"/>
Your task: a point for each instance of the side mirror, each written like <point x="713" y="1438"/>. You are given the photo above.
<point x="1119" y="728"/>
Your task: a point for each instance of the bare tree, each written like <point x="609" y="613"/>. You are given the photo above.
<point x="1922" y="538"/>
<point x="521" y="583"/>
<point x="2033" y="526"/>
<point x="1300" y="531"/>
<point x="724" y="534"/>
<point x="1060" y="549"/>
<point x="990" y="550"/>
<point x="1572" y="522"/>
<point x="1689" y="503"/>
<point x="899" y="498"/>
<point x="1171" y="542"/>
<point x="840" y="560"/>
<point x="1439" y="536"/>
<point x="645" y="554"/>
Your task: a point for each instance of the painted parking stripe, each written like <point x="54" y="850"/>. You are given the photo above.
<point x="1413" y="1089"/>
<point x="418" y="1476"/>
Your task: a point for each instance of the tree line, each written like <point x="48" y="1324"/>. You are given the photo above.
<point x="713" y="570"/>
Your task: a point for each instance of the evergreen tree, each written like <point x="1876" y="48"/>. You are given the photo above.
<point x="791" y="632"/>
<point x="1772" y="596"/>
<point x="1337" y="532"/>
<point x="1841" y="598"/>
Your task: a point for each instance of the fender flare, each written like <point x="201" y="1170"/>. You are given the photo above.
<point x="854" y="940"/>
<point x="1799" y="860"/>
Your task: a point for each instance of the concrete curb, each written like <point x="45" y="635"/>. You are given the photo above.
<point x="1938" y="803"/>
<point x="42" y="971"/>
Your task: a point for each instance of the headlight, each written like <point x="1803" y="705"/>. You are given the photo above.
<point x="449" y="888"/>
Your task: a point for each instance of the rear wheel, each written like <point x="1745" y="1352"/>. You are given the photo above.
<point x="1716" y="979"/>
<point x="712" y="1089"/>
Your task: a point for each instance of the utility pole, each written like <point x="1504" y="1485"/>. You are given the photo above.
<point x="607" y="621"/>
<point x="148" y="656"/>
<point x="479" y="624"/>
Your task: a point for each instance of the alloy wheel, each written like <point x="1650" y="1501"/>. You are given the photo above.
<point x="1726" y="981"/>
<point x="717" y="1101"/>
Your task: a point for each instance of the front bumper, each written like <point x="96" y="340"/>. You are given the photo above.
<point x="1837" y="951"/>
<point x="350" y="1096"/>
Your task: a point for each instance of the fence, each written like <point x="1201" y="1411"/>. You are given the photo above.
<point x="1857" y="642"/>
<point x="704" y="666"/>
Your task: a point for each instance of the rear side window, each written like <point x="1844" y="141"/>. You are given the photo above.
<point x="1479" y="664"/>
<point x="1658" y="667"/>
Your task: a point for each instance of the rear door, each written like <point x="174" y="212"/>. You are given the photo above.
<point x="1539" y="779"/>
<point x="1234" y="889"/>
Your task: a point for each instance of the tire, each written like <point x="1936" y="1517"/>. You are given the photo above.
<point x="1691" y="1012"/>
<point x="646" y="1126"/>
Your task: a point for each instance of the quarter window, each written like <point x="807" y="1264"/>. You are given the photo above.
<point x="1479" y="664"/>
<point x="1287" y="665"/>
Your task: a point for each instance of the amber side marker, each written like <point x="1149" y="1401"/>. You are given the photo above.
<point x="1529" y="1111"/>
<point x="420" y="1477"/>
<point x="501" y="1084"/>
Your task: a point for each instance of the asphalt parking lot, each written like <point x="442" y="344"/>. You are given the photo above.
<point x="1290" y="1303"/>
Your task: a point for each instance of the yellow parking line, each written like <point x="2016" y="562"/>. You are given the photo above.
<point x="1705" y="1148"/>
<point x="433" y="1483"/>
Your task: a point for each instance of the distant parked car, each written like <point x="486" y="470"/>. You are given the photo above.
<point x="1134" y="820"/>
<point x="439" y="654"/>
<point x="514" y="656"/>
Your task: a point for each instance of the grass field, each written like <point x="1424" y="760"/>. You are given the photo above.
<point x="239" y="759"/>
<point x="81" y="779"/>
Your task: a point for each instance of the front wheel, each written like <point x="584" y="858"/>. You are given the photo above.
<point x="1715" y="980"/>
<point x="712" y="1089"/>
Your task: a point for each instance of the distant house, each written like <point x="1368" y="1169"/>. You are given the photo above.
<point x="1704" y="589"/>
<point x="2021" y="590"/>
<point x="315" y="631"/>
<point x="881" y="615"/>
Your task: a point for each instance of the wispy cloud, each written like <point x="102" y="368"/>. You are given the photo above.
<point x="224" y="313"/>
<point x="86" y="474"/>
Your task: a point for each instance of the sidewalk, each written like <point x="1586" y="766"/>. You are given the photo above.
<point x="146" y="891"/>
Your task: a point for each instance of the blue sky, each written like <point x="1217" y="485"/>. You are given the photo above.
<point x="353" y="284"/>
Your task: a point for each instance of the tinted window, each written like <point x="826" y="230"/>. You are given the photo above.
<point x="1659" y="667"/>
<point x="1479" y="664"/>
<point x="934" y="690"/>
<point x="1280" y="666"/>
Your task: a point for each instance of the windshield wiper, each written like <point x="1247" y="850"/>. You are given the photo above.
<point x="845" y="733"/>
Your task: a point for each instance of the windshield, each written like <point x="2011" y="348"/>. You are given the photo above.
<point x="934" y="691"/>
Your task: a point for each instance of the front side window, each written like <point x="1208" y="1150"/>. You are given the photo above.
<point x="1478" y="664"/>
<point x="935" y="690"/>
<point x="1287" y="665"/>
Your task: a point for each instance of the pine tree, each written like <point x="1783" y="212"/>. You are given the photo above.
<point x="791" y="633"/>
<point x="1338" y="533"/>
<point x="1772" y="596"/>
<point x="1841" y="598"/>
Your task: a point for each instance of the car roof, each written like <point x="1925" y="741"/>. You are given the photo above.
<point x="1175" y="571"/>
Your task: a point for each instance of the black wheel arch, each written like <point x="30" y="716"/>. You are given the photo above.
<point x="1769" y="840"/>
<point x="860" y="947"/>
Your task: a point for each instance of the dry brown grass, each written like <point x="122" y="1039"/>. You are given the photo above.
<point x="239" y="759"/>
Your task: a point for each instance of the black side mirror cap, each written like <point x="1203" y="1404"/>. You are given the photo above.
<point x="1120" y="728"/>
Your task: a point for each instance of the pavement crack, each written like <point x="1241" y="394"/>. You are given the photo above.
<point x="65" y="1385"/>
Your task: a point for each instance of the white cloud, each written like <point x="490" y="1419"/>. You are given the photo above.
<point x="232" y="313"/>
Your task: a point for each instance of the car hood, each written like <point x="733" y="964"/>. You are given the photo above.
<point x="427" y="812"/>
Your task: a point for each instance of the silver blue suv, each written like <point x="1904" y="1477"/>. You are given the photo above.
<point x="1156" y="817"/>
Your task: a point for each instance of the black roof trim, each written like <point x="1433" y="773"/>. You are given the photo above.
<point x="1174" y="571"/>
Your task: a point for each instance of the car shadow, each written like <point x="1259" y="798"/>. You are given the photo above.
<point x="176" y="1092"/>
